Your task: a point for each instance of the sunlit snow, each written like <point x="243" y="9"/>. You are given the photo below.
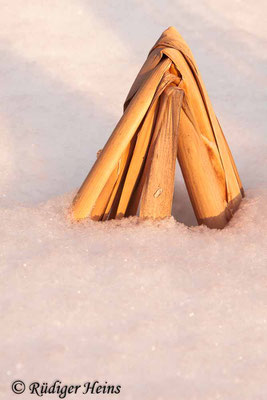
<point x="168" y="310"/>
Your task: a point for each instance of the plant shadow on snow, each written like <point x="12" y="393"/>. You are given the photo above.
<point x="51" y="131"/>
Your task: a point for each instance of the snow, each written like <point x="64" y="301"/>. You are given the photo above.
<point x="167" y="309"/>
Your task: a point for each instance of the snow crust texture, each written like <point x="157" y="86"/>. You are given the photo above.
<point x="168" y="310"/>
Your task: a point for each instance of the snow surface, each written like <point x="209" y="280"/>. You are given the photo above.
<point x="165" y="309"/>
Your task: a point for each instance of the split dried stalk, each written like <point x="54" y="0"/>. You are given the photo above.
<point x="117" y="143"/>
<point x="137" y="165"/>
<point x="157" y="195"/>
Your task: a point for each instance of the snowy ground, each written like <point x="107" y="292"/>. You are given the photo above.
<point x="165" y="310"/>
